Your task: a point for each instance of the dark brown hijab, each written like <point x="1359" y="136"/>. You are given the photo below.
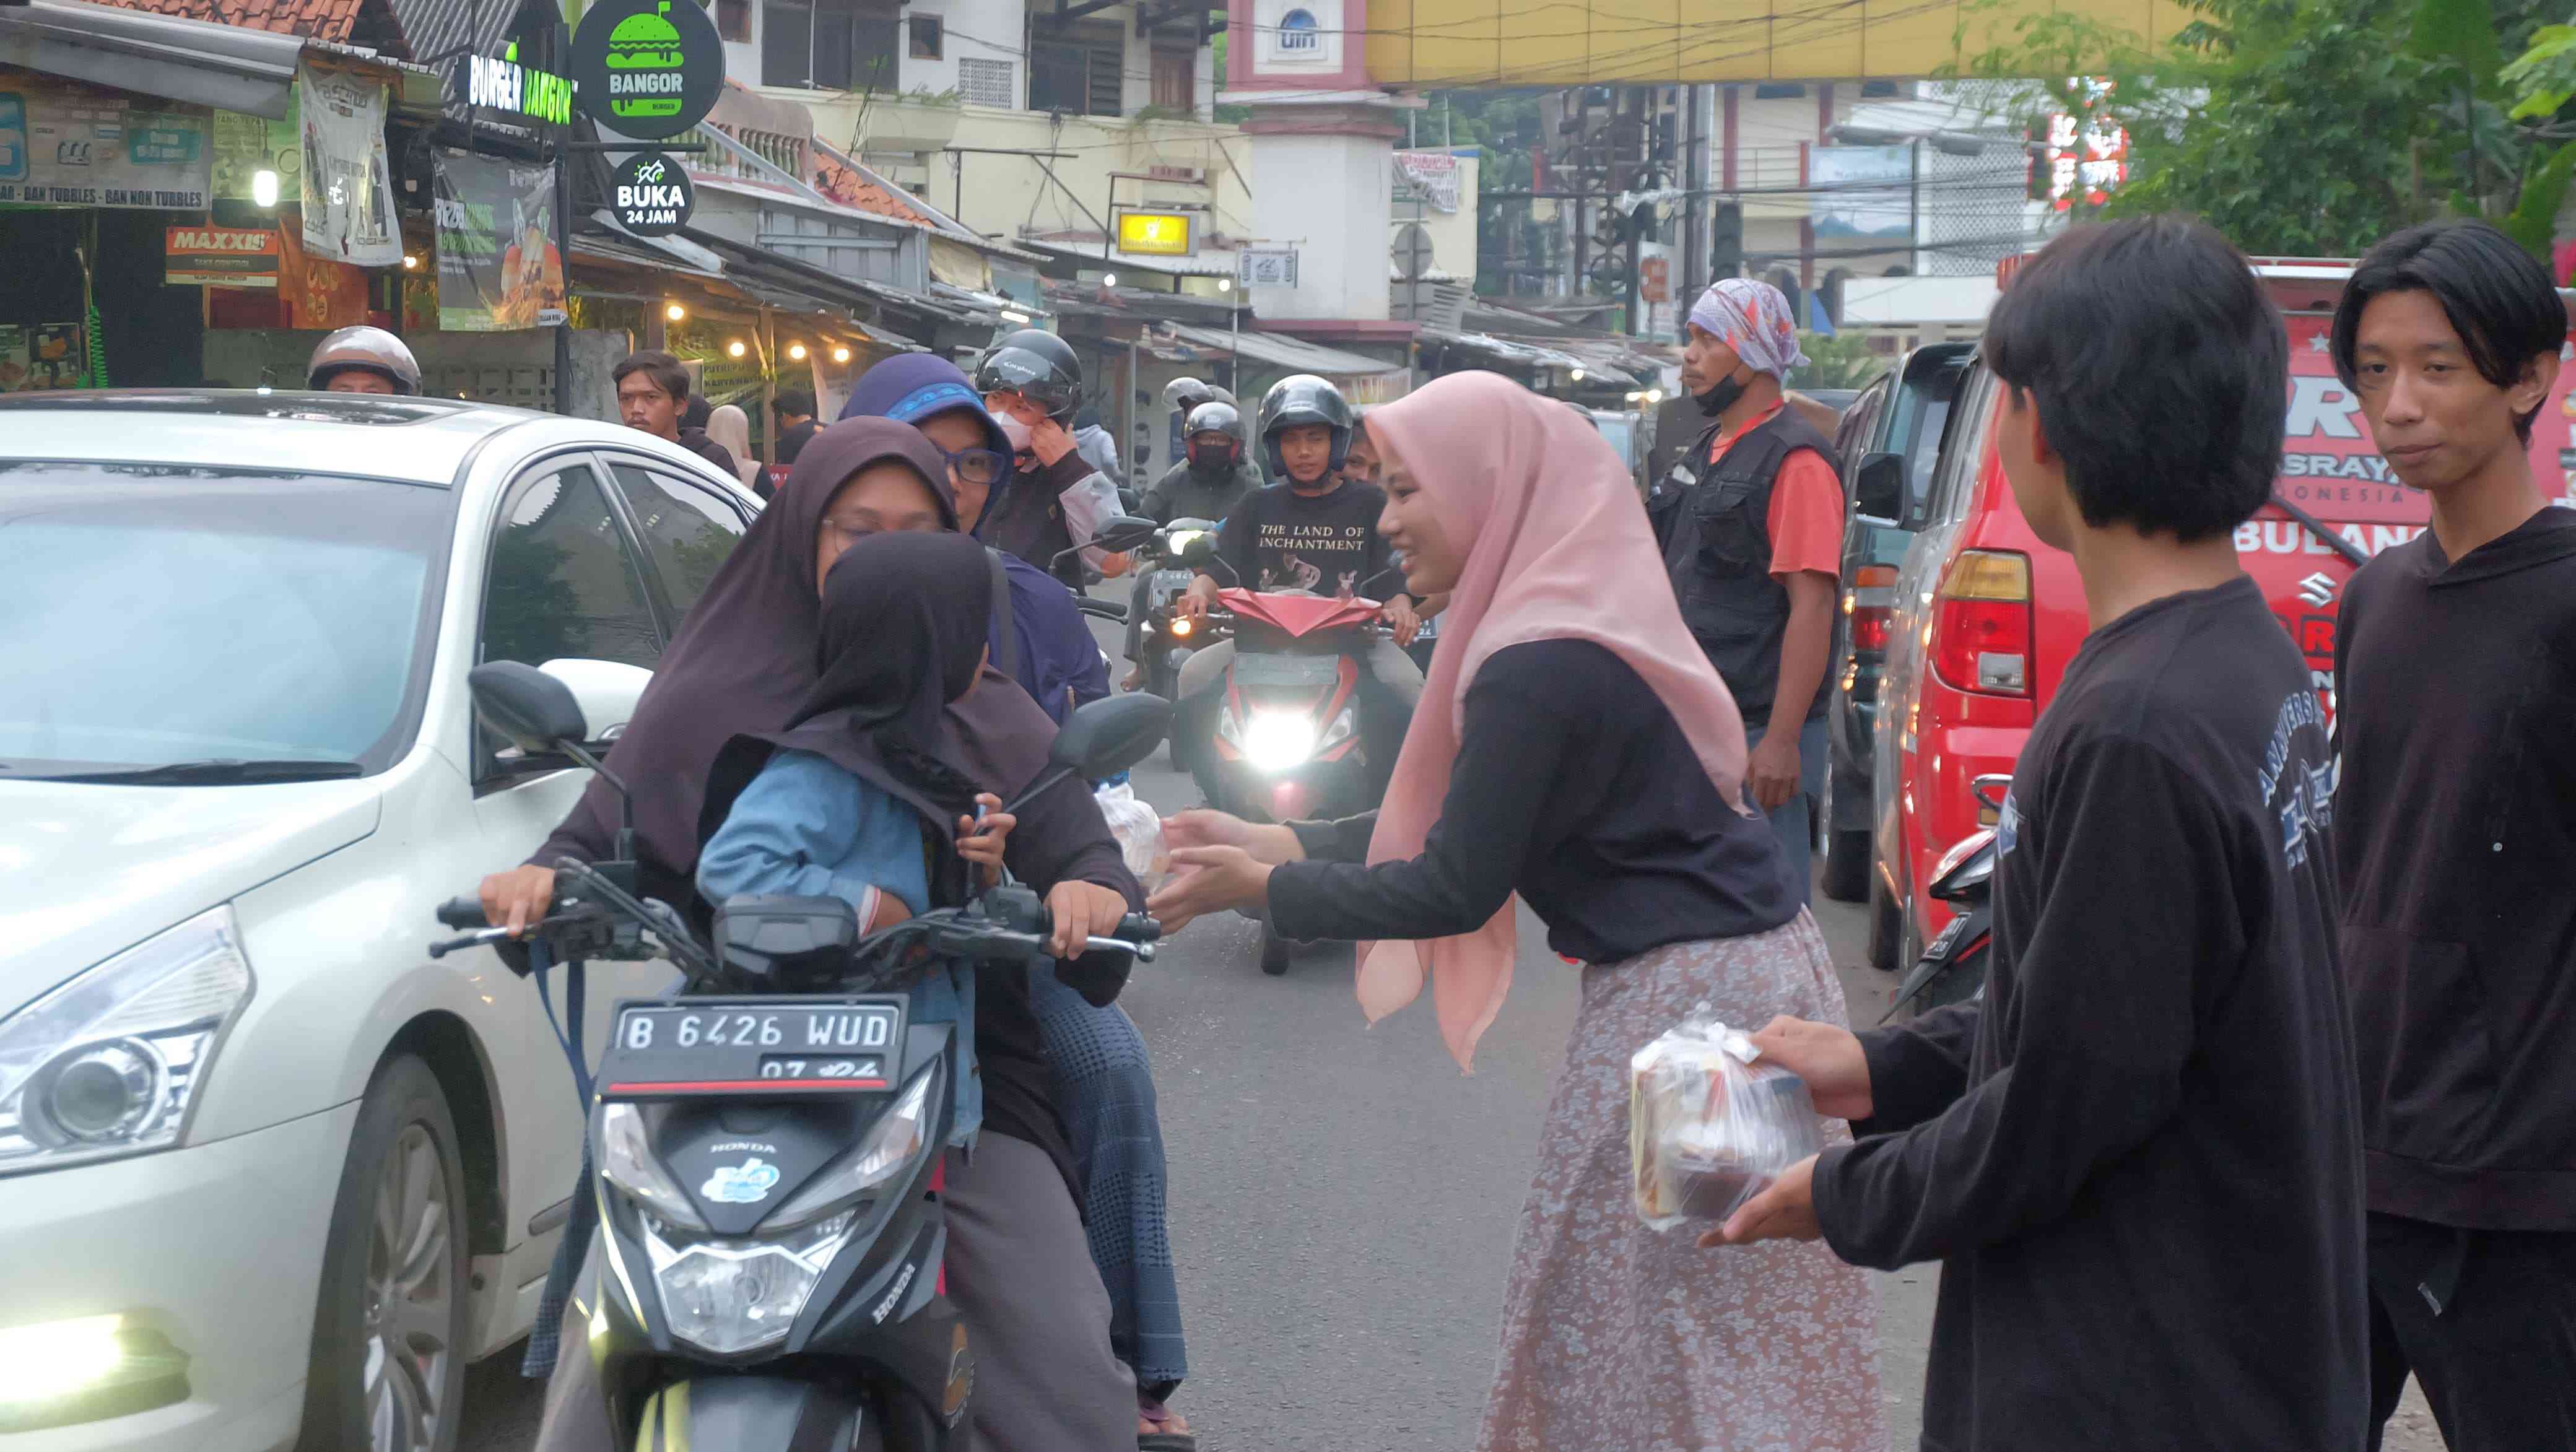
<point x="744" y="661"/>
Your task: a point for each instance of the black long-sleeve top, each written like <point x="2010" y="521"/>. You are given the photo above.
<point x="1573" y="786"/>
<point x="2139" y="1157"/>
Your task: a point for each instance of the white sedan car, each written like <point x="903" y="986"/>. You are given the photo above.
<point x="269" y="1174"/>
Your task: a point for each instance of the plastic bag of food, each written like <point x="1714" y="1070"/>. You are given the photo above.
<point x="1139" y="832"/>
<point x="1710" y="1127"/>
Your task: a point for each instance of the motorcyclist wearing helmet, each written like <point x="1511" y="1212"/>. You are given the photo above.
<point x="1054" y="499"/>
<point x="1210" y="479"/>
<point x="1314" y="530"/>
<point x="363" y="360"/>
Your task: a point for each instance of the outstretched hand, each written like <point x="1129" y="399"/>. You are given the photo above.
<point x="1209" y="880"/>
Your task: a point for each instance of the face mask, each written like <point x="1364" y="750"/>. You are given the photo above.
<point x="1211" y="458"/>
<point x="1014" y="430"/>
<point x="1721" y="397"/>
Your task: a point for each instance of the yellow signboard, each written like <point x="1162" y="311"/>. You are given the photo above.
<point x="1581" y="42"/>
<point x="1164" y="234"/>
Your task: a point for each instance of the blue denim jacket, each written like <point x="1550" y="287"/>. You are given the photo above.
<point x="806" y="827"/>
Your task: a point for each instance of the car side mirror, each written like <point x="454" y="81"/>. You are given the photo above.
<point x="535" y="711"/>
<point x="1878" y="486"/>
<point x="607" y="692"/>
<point x="1122" y="532"/>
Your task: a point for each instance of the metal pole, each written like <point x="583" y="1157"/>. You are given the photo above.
<point x="1914" y="212"/>
<point x="562" y="231"/>
<point x="769" y="385"/>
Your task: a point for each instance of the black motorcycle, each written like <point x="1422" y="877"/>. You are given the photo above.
<point x="1953" y="966"/>
<point x="767" y="1141"/>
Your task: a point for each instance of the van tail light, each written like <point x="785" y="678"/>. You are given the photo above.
<point x="1981" y="623"/>
<point x="1869" y="605"/>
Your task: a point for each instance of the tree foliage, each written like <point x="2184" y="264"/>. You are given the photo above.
<point x="2305" y="127"/>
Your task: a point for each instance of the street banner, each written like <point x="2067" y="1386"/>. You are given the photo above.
<point x="1428" y="176"/>
<point x="66" y="144"/>
<point x="348" y="190"/>
<point x="221" y="257"/>
<point x="496" y="269"/>
<point x="1863" y="193"/>
<point x="320" y="292"/>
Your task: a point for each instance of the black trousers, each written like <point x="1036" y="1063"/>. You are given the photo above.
<point x="2498" y="1362"/>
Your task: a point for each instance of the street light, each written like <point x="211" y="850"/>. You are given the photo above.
<point x="263" y="188"/>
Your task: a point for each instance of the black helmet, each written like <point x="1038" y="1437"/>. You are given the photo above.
<point x="1303" y="398"/>
<point x="1218" y="418"/>
<point x="1185" y="393"/>
<point x="1038" y="366"/>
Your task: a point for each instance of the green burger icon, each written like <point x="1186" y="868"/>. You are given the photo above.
<point x="644" y="65"/>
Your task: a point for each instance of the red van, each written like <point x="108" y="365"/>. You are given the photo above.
<point x="1986" y="618"/>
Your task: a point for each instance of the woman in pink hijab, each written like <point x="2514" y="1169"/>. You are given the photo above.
<point x="1574" y="748"/>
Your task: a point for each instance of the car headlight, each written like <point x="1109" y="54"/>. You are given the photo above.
<point x="109" y="1064"/>
<point x="1277" y="740"/>
<point x="731" y="1296"/>
<point x="626" y="1161"/>
<point x="891" y="1146"/>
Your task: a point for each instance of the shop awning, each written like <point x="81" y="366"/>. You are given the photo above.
<point x="1278" y="350"/>
<point x="231" y="68"/>
<point x="1511" y="354"/>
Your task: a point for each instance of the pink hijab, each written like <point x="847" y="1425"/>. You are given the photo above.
<point x="1557" y="548"/>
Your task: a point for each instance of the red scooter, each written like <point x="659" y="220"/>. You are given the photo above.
<point x="1288" y="744"/>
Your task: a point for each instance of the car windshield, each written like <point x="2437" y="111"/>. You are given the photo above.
<point x="159" y="616"/>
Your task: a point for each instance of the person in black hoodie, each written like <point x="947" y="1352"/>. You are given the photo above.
<point x="2455" y="834"/>
<point x="653" y="395"/>
<point x="2138" y="1156"/>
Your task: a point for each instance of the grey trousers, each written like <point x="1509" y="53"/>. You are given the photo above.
<point x="1794" y="821"/>
<point x="1020" y="1273"/>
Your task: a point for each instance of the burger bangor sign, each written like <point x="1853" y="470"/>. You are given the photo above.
<point x="647" y="68"/>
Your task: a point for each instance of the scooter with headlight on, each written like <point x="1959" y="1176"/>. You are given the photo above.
<point x="767" y="1140"/>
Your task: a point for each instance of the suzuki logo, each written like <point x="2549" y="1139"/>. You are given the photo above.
<point x="2318" y="589"/>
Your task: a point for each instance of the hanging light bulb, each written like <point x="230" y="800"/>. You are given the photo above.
<point x="736" y="349"/>
<point x="841" y="355"/>
<point x="263" y="188"/>
<point x="1225" y="284"/>
<point x="796" y="351"/>
<point x="411" y="262"/>
<point x="675" y="312"/>
<point x="1109" y="279"/>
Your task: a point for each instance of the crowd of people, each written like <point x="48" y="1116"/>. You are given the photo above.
<point x="2261" y="1109"/>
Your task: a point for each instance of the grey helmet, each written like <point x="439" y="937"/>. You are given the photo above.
<point x="1185" y="394"/>
<point x="1038" y="366"/>
<point x="372" y="349"/>
<point x="1303" y="398"/>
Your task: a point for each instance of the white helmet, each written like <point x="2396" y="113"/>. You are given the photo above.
<point x="372" y="349"/>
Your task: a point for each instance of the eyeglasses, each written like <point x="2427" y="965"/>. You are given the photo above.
<point x="976" y="466"/>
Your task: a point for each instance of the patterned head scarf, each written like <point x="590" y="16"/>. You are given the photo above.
<point x="1753" y="319"/>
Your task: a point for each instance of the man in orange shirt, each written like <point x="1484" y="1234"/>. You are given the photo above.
<point x="1751" y="524"/>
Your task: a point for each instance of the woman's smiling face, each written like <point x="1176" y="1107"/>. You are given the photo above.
<point x="884" y="498"/>
<point x="1432" y="561"/>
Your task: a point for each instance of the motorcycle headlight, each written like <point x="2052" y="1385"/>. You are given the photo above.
<point x="109" y="1064"/>
<point x="893" y="1143"/>
<point x="1277" y="740"/>
<point x="626" y="1160"/>
<point x="732" y="1296"/>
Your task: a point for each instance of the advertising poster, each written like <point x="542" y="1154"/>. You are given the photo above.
<point x="245" y="146"/>
<point x="348" y="183"/>
<point x="1863" y="193"/>
<point x="65" y="144"/>
<point x="318" y="291"/>
<point x="221" y="257"/>
<point x="496" y="269"/>
<point x="48" y="356"/>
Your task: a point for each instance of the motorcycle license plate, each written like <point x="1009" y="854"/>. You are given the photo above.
<point x="1947" y="939"/>
<point x="666" y="1048"/>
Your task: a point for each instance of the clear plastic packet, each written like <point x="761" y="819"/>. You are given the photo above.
<point x="1710" y="1127"/>
<point x="1139" y="832"/>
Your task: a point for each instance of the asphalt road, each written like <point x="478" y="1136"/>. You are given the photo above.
<point x="1343" y="1199"/>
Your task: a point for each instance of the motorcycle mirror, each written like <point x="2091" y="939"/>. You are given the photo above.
<point x="1102" y="739"/>
<point x="1195" y="547"/>
<point x="1122" y="532"/>
<point x="534" y="710"/>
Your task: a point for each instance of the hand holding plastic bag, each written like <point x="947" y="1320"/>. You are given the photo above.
<point x="1709" y="1127"/>
<point x="1139" y="832"/>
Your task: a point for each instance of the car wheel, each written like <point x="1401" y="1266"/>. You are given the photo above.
<point x="1847" y="874"/>
<point x="1886" y="926"/>
<point x="389" y="1352"/>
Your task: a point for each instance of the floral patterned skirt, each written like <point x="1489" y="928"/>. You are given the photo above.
<point x="1617" y="1338"/>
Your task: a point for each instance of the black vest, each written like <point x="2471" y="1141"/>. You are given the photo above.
<point x="1715" y="525"/>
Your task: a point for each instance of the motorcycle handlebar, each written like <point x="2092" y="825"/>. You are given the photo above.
<point x="462" y="912"/>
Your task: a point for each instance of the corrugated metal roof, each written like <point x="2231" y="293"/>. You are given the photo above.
<point x="442" y="30"/>
<point x="1281" y="351"/>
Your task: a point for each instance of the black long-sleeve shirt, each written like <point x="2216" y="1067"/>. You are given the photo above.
<point x="2455" y="832"/>
<point x="2139" y="1157"/>
<point x="1573" y="786"/>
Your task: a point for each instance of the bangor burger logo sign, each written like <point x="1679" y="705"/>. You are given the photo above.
<point x="649" y="69"/>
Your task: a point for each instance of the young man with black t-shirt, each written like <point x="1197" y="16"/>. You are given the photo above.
<point x="2455" y="833"/>
<point x="2138" y="1156"/>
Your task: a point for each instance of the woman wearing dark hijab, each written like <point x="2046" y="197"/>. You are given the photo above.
<point x="903" y="731"/>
